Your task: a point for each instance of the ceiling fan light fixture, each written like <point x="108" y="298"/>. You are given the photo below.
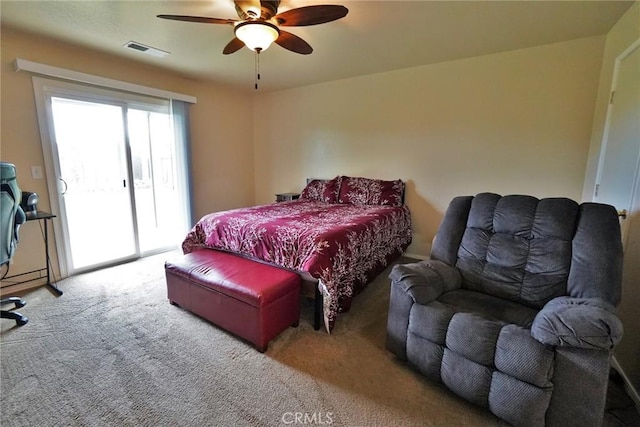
<point x="257" y="35"/>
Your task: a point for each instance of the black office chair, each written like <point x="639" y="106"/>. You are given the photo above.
<point x="11" y="217"/>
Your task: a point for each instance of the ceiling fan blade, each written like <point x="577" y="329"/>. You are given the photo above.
<point x="233" y="46"/>
<point x="200" y="19"/>
<point x="293" y="43"/>
<point x="311" y="15"/>
<point x="248" y="9"/>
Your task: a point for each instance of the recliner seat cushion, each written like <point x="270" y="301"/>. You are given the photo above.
<point x="490" y="362"/>
<point x="489" y="306"/>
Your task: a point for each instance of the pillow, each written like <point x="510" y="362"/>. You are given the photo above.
<point x="323" y="190"/>
<point x="367" y="191"/>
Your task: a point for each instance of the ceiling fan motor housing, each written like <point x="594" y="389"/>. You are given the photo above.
<point x="249" y="10"/>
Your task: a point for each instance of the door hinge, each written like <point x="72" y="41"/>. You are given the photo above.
<point x="597" y="188"/>
<point x="613" y="93"/>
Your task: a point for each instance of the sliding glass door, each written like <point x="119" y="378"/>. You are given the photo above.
<point x="95" y="198"/>
<point x="113" y="167"/>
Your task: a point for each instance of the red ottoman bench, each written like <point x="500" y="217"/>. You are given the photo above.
<point x="252" y="300"/>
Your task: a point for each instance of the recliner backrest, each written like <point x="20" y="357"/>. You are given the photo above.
<point x="530" y="250"/>
<point x="11" y="214"/>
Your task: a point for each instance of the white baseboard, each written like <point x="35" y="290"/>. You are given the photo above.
<point x="630" y="389"/>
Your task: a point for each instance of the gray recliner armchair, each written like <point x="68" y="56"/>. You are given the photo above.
<point x="515" y="309"/>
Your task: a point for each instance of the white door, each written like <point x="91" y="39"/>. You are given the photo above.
<point x="618" y="184"/>
<point x="620" y="157"/>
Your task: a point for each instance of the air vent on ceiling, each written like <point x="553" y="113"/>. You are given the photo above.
<point x="145" y="49"/>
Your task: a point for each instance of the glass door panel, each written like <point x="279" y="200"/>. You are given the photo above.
<point x="157" y="195"/>
<point x="96" y="201"/>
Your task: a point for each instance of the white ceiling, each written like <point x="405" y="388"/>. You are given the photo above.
<point x="376" y="36"/>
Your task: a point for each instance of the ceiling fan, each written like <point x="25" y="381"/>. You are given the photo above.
<point x="260" y="23"/>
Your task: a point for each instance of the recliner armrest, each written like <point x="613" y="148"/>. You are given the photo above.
<point x="426" y="280"/>
<point x="577" y="322"/>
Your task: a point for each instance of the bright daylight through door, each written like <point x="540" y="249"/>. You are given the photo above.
<point x="102" y="150"/>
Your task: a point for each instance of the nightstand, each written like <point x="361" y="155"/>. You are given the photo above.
<point x="285" y="197"/>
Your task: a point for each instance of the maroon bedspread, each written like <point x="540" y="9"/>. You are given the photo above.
<point x="344" y="246"/>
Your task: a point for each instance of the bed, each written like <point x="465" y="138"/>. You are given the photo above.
<point x="341" y="232"/>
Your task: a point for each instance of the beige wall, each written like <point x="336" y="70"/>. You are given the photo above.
<point x="514" y="122"/>
<point x="222" y="151"/>
<point x="621" y="36"/>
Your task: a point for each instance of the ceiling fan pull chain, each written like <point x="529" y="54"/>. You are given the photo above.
<point x="257" y="65"/>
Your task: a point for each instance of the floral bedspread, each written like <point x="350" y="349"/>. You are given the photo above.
<point x="344" y="246"/>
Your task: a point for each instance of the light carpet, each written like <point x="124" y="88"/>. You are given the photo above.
<point x="112" y="351"/>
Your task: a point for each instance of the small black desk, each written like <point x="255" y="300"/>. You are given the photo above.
<point x="45" y="217"/>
